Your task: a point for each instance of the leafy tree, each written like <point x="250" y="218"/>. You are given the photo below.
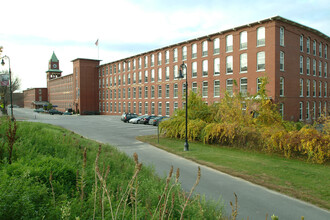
<point x="5" y="91"/>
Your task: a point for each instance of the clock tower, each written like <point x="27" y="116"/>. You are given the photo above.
<point x="53" y="68"/>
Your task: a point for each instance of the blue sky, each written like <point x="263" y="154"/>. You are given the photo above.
<point x="31" y="30"/>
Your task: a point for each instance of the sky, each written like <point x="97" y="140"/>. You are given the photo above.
<point x="31" y="30"/>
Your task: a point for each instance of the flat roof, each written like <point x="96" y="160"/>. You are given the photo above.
<point x="85" y="59"/>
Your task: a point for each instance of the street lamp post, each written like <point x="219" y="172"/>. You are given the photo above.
<point x="10" y="85"/>
<point x="184" y="66"/>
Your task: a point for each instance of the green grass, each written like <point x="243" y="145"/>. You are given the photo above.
<point x="47" y="179"/>
<point x="300" y="179"/>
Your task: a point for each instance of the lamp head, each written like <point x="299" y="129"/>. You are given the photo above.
<point x="2" y="62"/>
<point x="180" y="74"/>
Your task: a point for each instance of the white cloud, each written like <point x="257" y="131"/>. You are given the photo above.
<point x="31" y="30"/>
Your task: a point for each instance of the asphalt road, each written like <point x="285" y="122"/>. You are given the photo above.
<point x="254" y="201"/>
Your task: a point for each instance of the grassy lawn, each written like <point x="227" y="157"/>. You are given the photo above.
<point x="302" y="180"/>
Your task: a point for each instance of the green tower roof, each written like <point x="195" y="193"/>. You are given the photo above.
<point x="54" y="58"/>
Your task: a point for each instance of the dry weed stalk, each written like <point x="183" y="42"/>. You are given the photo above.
<point x="102" y="180"/>
<point x="11" y="136"/>
<point x="169" y="191"/>
<point x="234" y="209"/>
<point x="191" y="191"/>
<point x="129" y="187"/>
<point x="168" y="179"/>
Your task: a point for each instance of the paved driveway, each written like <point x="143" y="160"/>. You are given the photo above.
<point x="254" y="201"/>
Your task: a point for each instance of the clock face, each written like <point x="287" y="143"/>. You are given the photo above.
<point x="54" y="65"/>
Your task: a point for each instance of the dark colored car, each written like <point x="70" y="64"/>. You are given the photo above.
<point x="155" y="121"/>
<point x="127" y="116"/>
<point x="146" y="119"/>
<point x="67" y="113"/>
<point x="55" y="112"/>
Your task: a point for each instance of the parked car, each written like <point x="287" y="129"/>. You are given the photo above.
<point x="38" y="110"/>
<point x="146" y="120"/>
<point x="67" y="113"/>
<point x="127" y="116"/>
<point x="55" y="112"/>
<point x="136" y="120"/>
<point x="157" y="120"/>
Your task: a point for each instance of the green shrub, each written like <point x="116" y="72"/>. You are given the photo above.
<point x="23" y="197"/>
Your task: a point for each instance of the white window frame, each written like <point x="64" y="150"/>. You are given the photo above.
<point x="159" y="73"/>
<point x="243" y="63"/>
<point x="301" y="43"/>
<point x="194" y="51"/>
<point x="308" y="88"/>
<point x="301" y="87"/>
<point x="175" y="55"/>
<point x="261" y="36"/>
<point x="216" y="66"/>
<point x="243" y="40"/>
<point x="282" y="81"/>
<point x="308" y="66"/>
<point x="184" y="53"/>
<point x="229" y="65"/>
<point x="194" y="69"/>
<point x="205" y="89"/>
<point x="204" y="48"/>
<point x="216" y="88"/>
<point x="282" y="36"/>
<point x="282" y="60"/>
<point x="230" y="86"/>
<point x="301" y="111"/>
<point x="261" y="61"/>
<point x="301" y="65"/>
<point x="243" y="86"/>
<point x="229" y="43"/>
<point x="308" y="45"/>
<point x="216" y="46"/>
<point x="205" y="66"/>
<point x="159" y="58"/>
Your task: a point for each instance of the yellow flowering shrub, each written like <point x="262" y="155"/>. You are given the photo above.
<point x="233" y="122"/>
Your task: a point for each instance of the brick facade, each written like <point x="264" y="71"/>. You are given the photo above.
<point x="231" y="60"/>
<point x="33" y="96"/>
<point x="61" y="92"/>
<point x="143" y="97"/>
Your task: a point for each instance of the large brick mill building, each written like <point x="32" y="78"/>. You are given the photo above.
<point x="294" y="57"/>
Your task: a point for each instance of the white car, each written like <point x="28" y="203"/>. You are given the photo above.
<point x="135" y="120"/>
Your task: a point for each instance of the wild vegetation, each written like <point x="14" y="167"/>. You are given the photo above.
<point x="250" y="121"/>
<point x="47" y="172"/>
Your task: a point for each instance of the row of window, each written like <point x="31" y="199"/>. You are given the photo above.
<point x="311" y="88"/>
<point x="138" y="108"/>
<point x="143" y="92"/>
<point x="63" y="88"/>
<point x="138" y="77"/>
<point x="314" y="52"/>
<point x="311" y="110"/>
<point x="321" y="66"/>
<point x="67" y="96"/>
<point x="64" y="80"/>
<point x="137" y="63"/>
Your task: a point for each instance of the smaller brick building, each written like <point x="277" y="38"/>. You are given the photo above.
<point x="35" y="97"/>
